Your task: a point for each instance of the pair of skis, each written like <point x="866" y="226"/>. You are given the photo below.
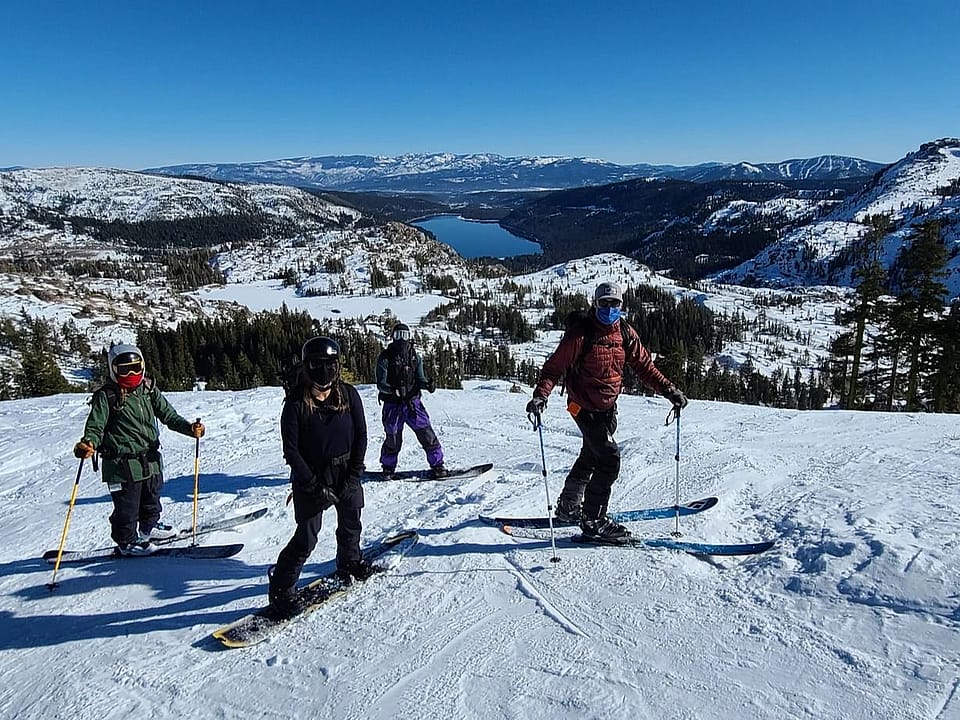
<point x="205" y="552"/>
<point x="535" y="527"/>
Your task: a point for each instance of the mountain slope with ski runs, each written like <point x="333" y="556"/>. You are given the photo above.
<point x="852" y="615"/>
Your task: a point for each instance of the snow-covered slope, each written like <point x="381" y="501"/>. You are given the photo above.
<point x="121" y="195"/>
<point x="907" y="192"/>
<point x="853" y="615"/>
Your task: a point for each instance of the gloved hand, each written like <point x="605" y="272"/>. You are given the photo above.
<point x="197" y="429"/>
<point x="84" y="450"/>
<point x="674" y="395"/>
<point x="431" y="386"/>
<point x="326" y="497"/>
<point x="536" y="406"/>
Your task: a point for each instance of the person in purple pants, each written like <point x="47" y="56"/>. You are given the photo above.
<point x="400" y="379"/>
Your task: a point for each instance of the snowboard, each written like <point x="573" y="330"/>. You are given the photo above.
<point x="203" y="552"/>
<point x="263" y="623"/>
<point x="422" y="475"/>
<point x="655" y="513"/>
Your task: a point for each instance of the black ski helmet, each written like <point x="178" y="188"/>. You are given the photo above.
<point x="321" y="360"/>
<point x="401" y="331"/>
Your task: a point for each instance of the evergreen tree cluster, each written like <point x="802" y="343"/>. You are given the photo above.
<point x="250" y="350"/>
<point x="191" y="269"/>
<point x="190" y="232"/>
<point x="43" y="348"/>
<point x="234" y="353"/>
<point x="901" y="348"/>
<point x="494" y="321"/>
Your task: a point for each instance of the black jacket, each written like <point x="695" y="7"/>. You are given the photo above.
<point x="324" y="447"/>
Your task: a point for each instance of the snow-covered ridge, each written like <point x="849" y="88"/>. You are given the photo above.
<point x="438" y="172"/>
<point x="110" y="194"/>
<point x="907" y="192"/>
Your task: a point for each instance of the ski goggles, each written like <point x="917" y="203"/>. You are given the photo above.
<point x="401" y="334"/>
<point x="127" y="364"/>
<point x="609" y="303"/>
<point x="318" y="363"/>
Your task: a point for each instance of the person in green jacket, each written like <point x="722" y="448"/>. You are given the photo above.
<point x="122" y="428"/>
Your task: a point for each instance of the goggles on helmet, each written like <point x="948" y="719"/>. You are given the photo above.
<point x="127" y="364"/>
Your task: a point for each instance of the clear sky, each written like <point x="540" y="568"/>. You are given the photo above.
<point x="134" y="84"/>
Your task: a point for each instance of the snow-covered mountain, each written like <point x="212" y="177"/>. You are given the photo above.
<point x="106" y="309"/>
<point x="823" y="167"/>
<point x="853" y="615"/>
<point x="108" y="194"/>
<point x="924" y="185"/>
<point x="449" y="173"/>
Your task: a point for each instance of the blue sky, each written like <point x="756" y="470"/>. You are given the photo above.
<point x="136" y="84"/>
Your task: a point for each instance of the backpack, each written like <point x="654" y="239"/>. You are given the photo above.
<point x="579" y="324"/>
<point x="115" y="394"/>
<point x="289" y="375"/>
<point x="402" y="368"/>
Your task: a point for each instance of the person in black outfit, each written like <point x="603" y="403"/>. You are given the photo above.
<point x="324" y="437"/>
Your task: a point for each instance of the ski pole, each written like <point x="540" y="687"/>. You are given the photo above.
<point x="196" y="485"/>
<point x="538" y="425"/>
<point x="66" y="526"/>
<point x="675" y="413"/>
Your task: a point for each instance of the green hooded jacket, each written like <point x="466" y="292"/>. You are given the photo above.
<point x="127" y="436"/>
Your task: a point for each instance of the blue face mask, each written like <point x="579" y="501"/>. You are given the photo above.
<point x="608" y="315"/>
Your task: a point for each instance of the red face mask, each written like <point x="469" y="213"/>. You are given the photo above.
<point x="130" y="382"/>
<point x="129" y="372"/>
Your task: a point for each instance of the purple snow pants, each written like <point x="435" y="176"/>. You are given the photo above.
<point x="412" y="413"/>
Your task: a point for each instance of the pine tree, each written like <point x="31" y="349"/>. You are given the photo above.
<point x="873" y="284"/>
<point x="920" y="295"/>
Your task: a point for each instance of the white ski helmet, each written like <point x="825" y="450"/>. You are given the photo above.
<point x="122" y="356"/>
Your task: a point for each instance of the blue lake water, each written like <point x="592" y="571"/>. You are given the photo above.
<point x="477" y="239"/>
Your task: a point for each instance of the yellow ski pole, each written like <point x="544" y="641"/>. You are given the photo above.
<point x="196" y="486"/>
<point x="66" y="526"/>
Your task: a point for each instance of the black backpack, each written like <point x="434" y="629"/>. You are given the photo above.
<point x="402" y="369"/>
<point x="290" y="376"/>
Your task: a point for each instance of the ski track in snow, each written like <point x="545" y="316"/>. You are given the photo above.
<point x="854" y="613"/>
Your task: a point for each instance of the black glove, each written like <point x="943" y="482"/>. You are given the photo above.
<point x="431" y="386"/>
<point x="674" y="395"/>
<point x="326" y="497"/>
<point x="536" y="406"/>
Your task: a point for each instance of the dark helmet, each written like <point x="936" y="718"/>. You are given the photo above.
<point x="401" y="332"/>
<point x="321" y="360"/>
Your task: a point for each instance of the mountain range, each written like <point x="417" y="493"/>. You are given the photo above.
<point x="449" y="173"/>
<point x="775" y="233"/>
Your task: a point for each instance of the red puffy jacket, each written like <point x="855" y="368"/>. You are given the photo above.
<point x="600" y="379"/>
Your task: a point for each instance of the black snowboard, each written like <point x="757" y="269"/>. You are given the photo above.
<point x="422" y="475"/>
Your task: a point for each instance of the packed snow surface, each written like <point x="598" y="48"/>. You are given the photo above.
<point x="853" y="614"/>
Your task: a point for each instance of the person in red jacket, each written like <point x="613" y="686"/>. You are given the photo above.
<point x="590" y="357"/>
